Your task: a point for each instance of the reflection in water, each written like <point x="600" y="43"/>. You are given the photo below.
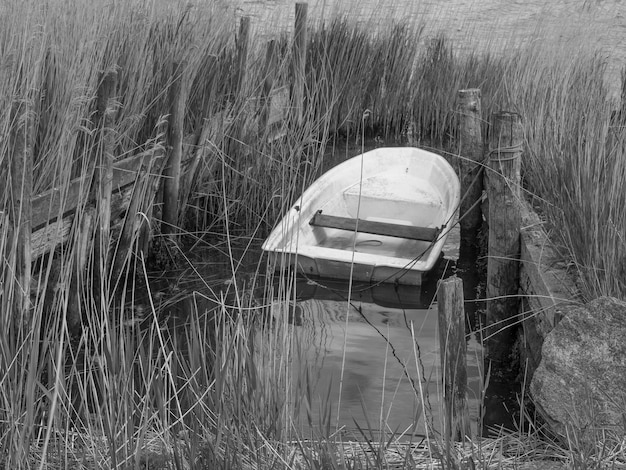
<point x="373" y="366"/>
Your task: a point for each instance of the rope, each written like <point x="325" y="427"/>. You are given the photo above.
<point x="514" y="151"/>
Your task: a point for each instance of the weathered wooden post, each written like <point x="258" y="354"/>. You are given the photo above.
<point x="101" y="192"/>
<point x="503" y="192"/>
<point x="104" y="166"/>
<point x="269" y="72"/>
<point x="157" y="161"/>
<point x="243" y="40"/>
<point x="453" y="351"/>
<point x="21" y="184"/>
<point x="171" y="183"/>
<point x="470" y="163"/>
<point x="298" y="63"/>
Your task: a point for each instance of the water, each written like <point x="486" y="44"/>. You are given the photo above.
<point x="374" y="363"/>
<point x="385" y="340"/>
<point x="480" y="25"/>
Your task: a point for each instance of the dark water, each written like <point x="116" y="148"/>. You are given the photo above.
<point x="374" y="360"/>
<point x="364" y="360"/>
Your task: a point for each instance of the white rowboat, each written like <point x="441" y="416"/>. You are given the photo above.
<point x="382" y="216"/>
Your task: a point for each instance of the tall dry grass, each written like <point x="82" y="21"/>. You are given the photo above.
<point x="574" y="163"/>
<point x="127" y="389"/>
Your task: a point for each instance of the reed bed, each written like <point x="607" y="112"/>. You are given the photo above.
<point x="574" y="128"/>
<point x="99" y="371"/>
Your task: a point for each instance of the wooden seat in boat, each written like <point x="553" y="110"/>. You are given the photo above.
<point x="409" y="232"/>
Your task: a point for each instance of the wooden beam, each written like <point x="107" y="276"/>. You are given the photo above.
<point x="377" y="228"/>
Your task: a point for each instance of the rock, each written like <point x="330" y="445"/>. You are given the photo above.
<point x="580" y="384"/>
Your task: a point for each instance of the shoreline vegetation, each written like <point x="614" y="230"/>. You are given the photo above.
<point x="128" y="386"/>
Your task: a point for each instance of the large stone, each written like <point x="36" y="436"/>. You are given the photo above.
<point x="580" y="384"/>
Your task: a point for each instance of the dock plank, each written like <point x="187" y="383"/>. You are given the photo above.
<point x="47" y="207"/>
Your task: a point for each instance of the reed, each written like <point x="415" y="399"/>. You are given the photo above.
<point x="143" y="382"/>
<point x="575" y="166"/>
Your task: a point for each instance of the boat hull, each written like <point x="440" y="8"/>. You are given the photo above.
<point x="408" y="195"/>
<point x="343" y="269"/>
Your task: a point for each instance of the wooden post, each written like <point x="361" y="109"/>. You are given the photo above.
<point x="242" y="53"/>
<point x="157" y="157"/>
<point x="453" y="350"/>
<point x="503" y="192"/>
<point x="269" y="72"/>
<point x="104" y="169"/>
<point x="21" y="184"/>
<point x="171" y="184"/>
<point x="199" y="152"/>
<point x="101" y="192"/>
<point x="470" y="159"/>
<point x="299" y="62"/>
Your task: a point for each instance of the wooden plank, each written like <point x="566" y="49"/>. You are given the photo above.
<point x="377" y="228"/>
<point x="46" y="206"/>
<point x="57" y="231"/>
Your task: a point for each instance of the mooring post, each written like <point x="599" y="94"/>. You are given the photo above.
<point x="299" y="61"/>
<point x="104" y="170"/>
<point x="269" y="72"/>
<point x="452" y="347"/>
<point x="156" y="156"/>
<point x="243" y="40"/>
<point x="470" y="165"/>
<point x="503" y="193"/>
<point x="171" y="183"/>
<point x="21" y="183"/>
